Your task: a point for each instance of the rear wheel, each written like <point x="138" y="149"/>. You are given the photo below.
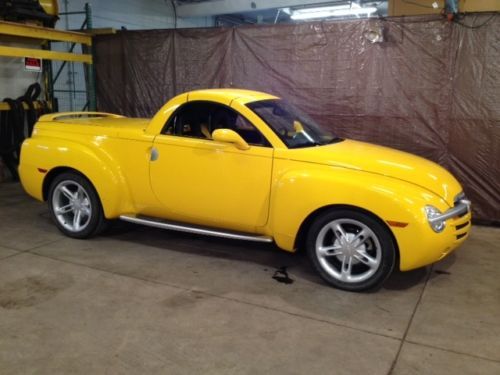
<point x="351" y="250"/>
<point x="75" y="206"/>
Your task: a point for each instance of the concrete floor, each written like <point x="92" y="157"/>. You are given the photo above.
<point x="140" y="300"/>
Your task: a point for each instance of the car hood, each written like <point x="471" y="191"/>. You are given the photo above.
<point x="384" y="161"/>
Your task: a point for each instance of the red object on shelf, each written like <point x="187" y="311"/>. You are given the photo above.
<point x="32" y="64"/>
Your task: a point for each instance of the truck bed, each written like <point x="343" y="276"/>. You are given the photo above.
<point x="95" y="123"/>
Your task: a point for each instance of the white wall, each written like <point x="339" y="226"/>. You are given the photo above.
<point x="14" y="80"/>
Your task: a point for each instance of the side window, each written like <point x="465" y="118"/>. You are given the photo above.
<point x="200" y="119"/>
<point x="191" y="120"/>
<point x="249" y="132"/>
<point x="226" y="118"/>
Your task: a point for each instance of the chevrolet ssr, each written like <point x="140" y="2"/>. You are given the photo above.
<point x="247" y="165"/>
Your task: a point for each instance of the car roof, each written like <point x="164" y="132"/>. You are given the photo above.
<point x="232" y="94"/>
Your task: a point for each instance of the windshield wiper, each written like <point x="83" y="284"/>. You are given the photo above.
<point x="309" y="144"/>
<point x="334" y="140"/>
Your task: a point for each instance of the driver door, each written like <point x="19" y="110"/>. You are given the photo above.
<point x="201" y="181"/>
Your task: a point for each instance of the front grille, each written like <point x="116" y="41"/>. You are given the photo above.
<point x="460" y="222"/>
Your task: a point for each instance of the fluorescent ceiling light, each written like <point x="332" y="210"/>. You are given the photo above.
<point x="332" y="11"/>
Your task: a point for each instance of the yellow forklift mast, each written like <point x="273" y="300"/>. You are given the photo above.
<point x="50" y="7"/>
<point x="41" y="12"/>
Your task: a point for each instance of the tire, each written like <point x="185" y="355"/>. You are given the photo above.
<point x="351" y="250"/>
<point x="75" y="206"/>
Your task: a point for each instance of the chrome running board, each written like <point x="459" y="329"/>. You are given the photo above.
<point x="181" y="227"/>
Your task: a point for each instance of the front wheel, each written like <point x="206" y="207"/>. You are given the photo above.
<point x="75" y="206"/>
<point x="351" y="250"/>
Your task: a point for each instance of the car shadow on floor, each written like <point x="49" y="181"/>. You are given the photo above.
<point x="269" y="256"/>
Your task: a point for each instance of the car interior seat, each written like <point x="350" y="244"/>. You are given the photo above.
<point x="205" y="131"/>
<point x="223" y="119"/>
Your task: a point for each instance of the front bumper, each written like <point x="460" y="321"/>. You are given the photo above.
<point x="420" y="245"/>
<point x="460" y="208"/>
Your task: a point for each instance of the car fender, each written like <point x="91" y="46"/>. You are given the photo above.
<point x="41" y="156"/>
<point x="300" y="192"/>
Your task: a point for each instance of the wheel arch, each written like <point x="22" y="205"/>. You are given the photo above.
<point x="43" y="159"/>
<point x="96" y="222"/>
<point x="307" y="222"/>
<point x="53" y="173"/>
<point x="106" y="194"/>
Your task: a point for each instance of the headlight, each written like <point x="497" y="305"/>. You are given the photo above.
<point x="460" y="196"/>
<point x="431" y="213"/>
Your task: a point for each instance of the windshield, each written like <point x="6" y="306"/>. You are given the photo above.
<point x="294" y="127"/>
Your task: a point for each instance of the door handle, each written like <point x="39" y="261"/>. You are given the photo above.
<point x="154" y="154"/>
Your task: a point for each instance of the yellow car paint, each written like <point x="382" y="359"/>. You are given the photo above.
<point x="262" y="190"/>
<point x="210" y="190"/>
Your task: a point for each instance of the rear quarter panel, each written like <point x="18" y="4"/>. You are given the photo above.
<point x="108" y="163"/>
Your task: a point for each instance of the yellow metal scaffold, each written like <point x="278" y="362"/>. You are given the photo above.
<point x="46" y="34"/>
<point x="19" y="33"/>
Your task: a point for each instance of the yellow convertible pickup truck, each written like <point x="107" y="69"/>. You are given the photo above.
<point x="247" y="165"/>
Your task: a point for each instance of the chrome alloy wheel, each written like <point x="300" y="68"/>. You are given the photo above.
<point x="348" y="250"/>
<point x="71" y="206"/>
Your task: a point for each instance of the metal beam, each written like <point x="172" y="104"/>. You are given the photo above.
<point x="36" y="32"/>
<point x="6" y="107"/>
<point x="220" y="7"/>
<point x="44" y="54"/>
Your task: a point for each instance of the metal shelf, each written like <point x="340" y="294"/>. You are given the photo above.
<point x="6" y="107"/>
<point x="37" y="32"/>
<point x="52" y="59"/>
<point x="47" y="34"/>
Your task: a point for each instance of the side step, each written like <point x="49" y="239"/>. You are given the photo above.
<point x="181" y="227"/>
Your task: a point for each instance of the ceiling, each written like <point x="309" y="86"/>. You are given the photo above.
<point x="238" y="12"/>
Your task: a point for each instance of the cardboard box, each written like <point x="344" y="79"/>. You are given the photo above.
<point x="418" y="7"/>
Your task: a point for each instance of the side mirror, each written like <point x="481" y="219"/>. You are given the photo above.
<point x="230" y="136"/>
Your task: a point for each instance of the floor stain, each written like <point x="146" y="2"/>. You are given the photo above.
<point x="281" y="276"/>
<point x="440" y="272"/>
<point x="183" y="299"/>
<point x="32" y="290"/>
